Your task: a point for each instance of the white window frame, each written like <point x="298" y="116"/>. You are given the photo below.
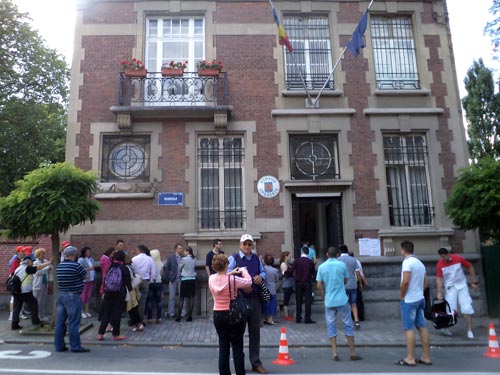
<point x="411" y="198"/>
<point x="222" y="166"/>
<point x="305" y="43"/>
<point x="394" y="52"/>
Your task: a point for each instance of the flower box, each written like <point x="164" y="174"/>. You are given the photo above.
<point x="172" y="72"/>
<point x="209" y="72"/>
<point x="136" y="73"/>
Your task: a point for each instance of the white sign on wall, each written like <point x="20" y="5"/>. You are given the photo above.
<point x="268" y="186"/>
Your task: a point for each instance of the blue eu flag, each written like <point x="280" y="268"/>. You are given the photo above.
<point x="356" y="41"/>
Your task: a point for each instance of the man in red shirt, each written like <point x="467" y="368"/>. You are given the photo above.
<point x="450" y="273"/>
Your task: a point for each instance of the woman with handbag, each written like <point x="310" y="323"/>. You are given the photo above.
<point x="269" y="306"/>
<point x="287" y="283"/>
<point x="224" y="287"/>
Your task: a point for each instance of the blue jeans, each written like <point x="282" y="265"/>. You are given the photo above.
<point x="331" y="320"/>
<point x="154" y="300"/>
<point x="69" y="307"/>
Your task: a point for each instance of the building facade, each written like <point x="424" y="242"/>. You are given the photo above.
<point x="192" y="157"/>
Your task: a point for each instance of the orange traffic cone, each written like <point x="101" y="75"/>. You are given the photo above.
<point x="493" y="349"/>
<point x="283" y="356"/>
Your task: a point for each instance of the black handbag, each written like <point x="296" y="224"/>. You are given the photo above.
<point x="264" y="293"/>
<point x="239" y="308"/>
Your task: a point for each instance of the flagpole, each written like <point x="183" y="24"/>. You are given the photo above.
<point x="309" y="98"/>
<point x="336" y="64"/>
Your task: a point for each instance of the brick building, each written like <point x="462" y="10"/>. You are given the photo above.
<point x="192" y="158"/>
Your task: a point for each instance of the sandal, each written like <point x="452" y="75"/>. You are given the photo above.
<point x="138" y="328"/>
<point x="119" y="338"/>
<point x="420" y="362"/>
<point x="402" y="362"/>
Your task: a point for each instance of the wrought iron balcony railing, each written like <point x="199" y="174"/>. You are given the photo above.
<point x="187" y="90"/>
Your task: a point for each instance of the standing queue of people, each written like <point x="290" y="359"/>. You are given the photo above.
<point x="135" y="284"/>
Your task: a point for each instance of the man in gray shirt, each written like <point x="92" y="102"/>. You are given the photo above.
<point x="352" y="284"/>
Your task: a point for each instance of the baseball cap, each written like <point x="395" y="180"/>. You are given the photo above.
<point x="246" y="237"/>
<point x="69" y="250"/>
<point x="27" y="250"/>
<point x="19" y="248"/>
<point x="26" y="257"/>
<point x="65" y="244"/>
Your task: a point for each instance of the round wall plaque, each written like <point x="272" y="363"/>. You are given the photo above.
<point x="268" y="186"/>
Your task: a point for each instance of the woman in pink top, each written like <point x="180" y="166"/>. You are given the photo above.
<point x="105" y="262"/>
<point x="229" y="335"/>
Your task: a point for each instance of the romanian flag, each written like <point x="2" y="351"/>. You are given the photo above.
<point x="283" y="37"/>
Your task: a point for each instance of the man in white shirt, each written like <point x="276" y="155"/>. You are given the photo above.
<point x="145" y="267"/>
<point x="411" y="295"/>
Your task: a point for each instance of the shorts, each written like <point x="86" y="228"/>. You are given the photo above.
<point x="462" y="296"/>
<point x="412" y="314"/>
<point x="352" y="295"/>
<point x="344" y="313"/>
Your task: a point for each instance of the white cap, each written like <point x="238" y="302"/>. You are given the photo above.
<point x="246" y="237"/>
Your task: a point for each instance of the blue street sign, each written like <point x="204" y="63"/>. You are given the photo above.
<point x="171" y="199"/>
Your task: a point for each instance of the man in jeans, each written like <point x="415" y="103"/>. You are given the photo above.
<point x="351" y="288"/>
<point x="331" y="278"/>
<point x="70" y="276"/>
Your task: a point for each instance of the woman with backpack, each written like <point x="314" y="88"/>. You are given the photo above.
<point x="116" y="284"/>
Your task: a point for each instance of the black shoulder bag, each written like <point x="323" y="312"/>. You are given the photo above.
<point x="239" y="308"/>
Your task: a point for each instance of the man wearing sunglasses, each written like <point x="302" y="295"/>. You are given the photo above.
<point x="246" y="258"/>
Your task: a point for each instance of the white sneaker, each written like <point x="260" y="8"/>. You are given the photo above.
<point x="446" y="332"/>
<point x="88" y="315"/>
<point x="470" y="335"/>
<point x="10" y="316"/>
<point x="24" y="317"/>
<point x="84" y="315"/>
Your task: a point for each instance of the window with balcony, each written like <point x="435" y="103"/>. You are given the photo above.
<point x="406" y="165"/>
<point x="314" y="157"/>
<point x="220" y="168"/>
<point x="126" y="158"/>
<point x="310" y="38"/>
<point x="394" y="53"/>
<point x="178" y="39"/>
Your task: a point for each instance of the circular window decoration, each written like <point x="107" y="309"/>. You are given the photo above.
<point x="313" y="158"/>
<point x="127" y="160"/>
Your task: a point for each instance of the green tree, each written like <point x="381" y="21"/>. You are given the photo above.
<point x="482" y="108"/>
<point x="493" y="27"/>
<point x="475" y="200"/>
<point x="48" y="201"/>
<point x="33" y="98"/>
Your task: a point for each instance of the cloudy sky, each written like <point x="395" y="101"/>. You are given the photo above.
<point x="467" y="21"/>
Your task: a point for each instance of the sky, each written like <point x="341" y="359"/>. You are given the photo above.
<point x="467" y="22"/>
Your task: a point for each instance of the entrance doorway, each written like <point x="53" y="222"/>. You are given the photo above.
<point x="317" y="218"/>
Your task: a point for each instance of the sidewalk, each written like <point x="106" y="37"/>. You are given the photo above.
<point x="201" y="332"/>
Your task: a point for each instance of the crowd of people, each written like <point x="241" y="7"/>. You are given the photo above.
<point x="135" y="283"/>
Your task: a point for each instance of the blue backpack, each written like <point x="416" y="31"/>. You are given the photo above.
<point x="113" y="280"/>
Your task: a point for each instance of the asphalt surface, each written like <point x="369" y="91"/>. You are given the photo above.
<point x="201" y="333"/>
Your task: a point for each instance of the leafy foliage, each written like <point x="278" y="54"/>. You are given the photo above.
<point x="49" y="200"/>
<point x="482" y="107"/>
<point x="33" y="98"/>
<point x="493" y="27"/>
<point x="475" y="200"/>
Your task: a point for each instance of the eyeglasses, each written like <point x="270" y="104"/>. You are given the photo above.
<point x="247" y="244"/>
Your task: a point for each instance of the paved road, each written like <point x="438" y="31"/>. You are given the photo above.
<point x="126" y="360"/>
<point x="201" y="333"/>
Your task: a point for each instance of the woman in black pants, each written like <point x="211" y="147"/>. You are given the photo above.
<point x="114" y="297"/>
<point x="229" y="335"/>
